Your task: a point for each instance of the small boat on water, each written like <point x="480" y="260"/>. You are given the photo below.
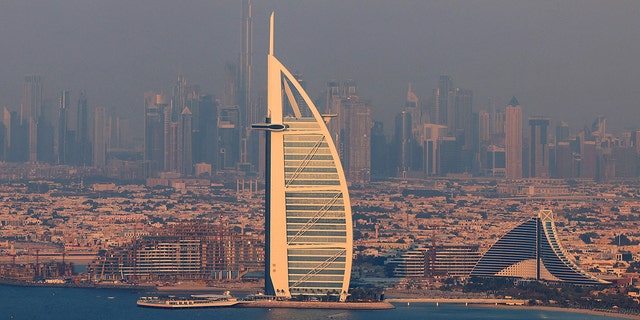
<point x="193" y="301"/>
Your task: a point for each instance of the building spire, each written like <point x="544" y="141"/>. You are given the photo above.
<point x="271" y="33"/>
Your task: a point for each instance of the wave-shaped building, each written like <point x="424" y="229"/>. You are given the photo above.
<point x="309" y="237"/>
<point x="532" y="250"/>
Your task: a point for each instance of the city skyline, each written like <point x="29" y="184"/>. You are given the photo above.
<point x="555" y="57"/>
<point x="173" y="184"/>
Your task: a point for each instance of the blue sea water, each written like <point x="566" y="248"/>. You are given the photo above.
<point x="88" y="304"/>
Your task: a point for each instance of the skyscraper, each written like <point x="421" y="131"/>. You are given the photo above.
<point x="185" y="162"/>
<point x="229" y="132"/>
<point x="170" y="141"/>
<point x="565" y="161"/>
<point x="350" y="126"/>
<point x="412" y="104"/>
<point x="32" y="94"/>
<point x="538" y="148"/>
<point x="332" y="109"/>
<point x="430" y="142"/>
<point x="484" y="133"/>
<point x="205" y="140"/>
<point x="154" y="105"/>
<point x="463" y="116"/>
<point x="45" y="137"/>
<point x="84" y="153"/>
<point x="6" y="134"/>
<point x="248" y="143"/>
<point x="62" y="127"/>
<point x="309" y="238"/>
<point x="513" y="139"/>
<point x="99" y="138"/>
<point x="562" y="132"/>
<point x="403" y="144"/>
<point x="380" y="155"/>
<point x="246" y="61"/>
<point x="443" y="106"/>
<point x="355" y="119"/>
<point x="30" y="110"/>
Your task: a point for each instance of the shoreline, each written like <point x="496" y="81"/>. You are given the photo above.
<point x="382" y="305"/>
<point x="566" y="309"/>
<point x="19" y="283"/>
<point x="479" y="301"/>
<point x="267" y="304"/>
<point x="511" y="304"/>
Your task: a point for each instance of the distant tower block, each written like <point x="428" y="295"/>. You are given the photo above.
<point x="538" y="148"/>
<point x="513" y="139"/>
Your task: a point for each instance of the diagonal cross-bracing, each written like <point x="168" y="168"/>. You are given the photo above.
<point x="305" y="161"/>
<point x="319" y="268"/>
<point x="311" y="222"/>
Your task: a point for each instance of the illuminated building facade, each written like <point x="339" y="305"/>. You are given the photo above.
<point x="309" y="237"/>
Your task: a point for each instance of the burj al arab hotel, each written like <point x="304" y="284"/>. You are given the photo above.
<point x="308" y="231"/>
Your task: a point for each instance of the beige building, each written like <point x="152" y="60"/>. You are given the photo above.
<point x="513" y="139"/>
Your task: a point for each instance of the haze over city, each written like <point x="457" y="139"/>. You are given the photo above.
<point x="376" y="155"/>
<point x="568" y="60"/>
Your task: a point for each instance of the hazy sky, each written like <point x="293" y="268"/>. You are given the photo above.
<point x="569" y="59"/>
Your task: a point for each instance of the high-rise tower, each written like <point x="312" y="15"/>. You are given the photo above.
<point x="309" y="237"/>
<point x="463" y="117"/>
<point x="484" y="132"/>
<point x="442" y="105"/>
<point x="32" y="93"/>
<point x="349" y="125"/>
<point x="84" y="154"/>
<point x="513" y="139"/>
<point x="30" y="110"/>
<point x="5" y="132"/>
<point x="244" y="70"/>
<point x="185" y="160"/>
<point x="248" y="143"/>
<point x="538" y="148"/>
<point x="404" y="143"/>
<point x="99" y="138"/>
<point x="355" y="119"/>
<point x="62" y="127"/>
<point x="154" y="105"/>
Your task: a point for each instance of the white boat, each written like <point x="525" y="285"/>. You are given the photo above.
<point x="193" y="301"/>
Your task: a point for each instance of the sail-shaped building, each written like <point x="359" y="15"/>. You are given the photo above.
<point x="532" y="250"/>
<point x="309" y="237"/>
